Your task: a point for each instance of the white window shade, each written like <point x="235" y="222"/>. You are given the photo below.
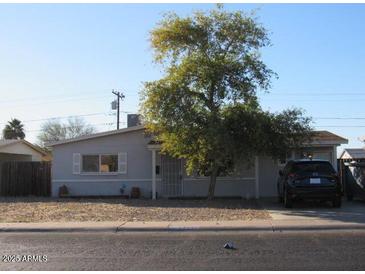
<point x="122" y="162"/>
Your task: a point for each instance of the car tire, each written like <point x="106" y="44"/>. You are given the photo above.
<point x="349" y="197"/>
<point x="337" y="202"/>
<point x="288" y="202"/>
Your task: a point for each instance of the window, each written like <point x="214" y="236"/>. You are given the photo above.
<point x="108" y="163"/>
<point x="90" y="163"/>
<point x="313" y="166"/>
<point x="104" y="163"/>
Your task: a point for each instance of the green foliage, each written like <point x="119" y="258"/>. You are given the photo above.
<point x="14" y="130"/>
<point x="251" y="131"/>
<point x="205" y="108"/>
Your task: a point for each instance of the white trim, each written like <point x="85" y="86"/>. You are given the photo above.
<point x="220" y="179"/>
<point x="101" y="173"/>
<point x="96" y="135"/>
<point x="334" y="157"/>
<point x="154" y="147"/>
<point x="257" y="178"/>
<point x="146" y="180"/>
<point x="153" y="174"/>
<point x="101" y="180"/>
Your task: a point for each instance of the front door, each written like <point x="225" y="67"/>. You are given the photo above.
<point x="171" y="176"/>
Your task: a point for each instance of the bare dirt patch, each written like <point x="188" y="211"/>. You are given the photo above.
<point x="79" y="210"/>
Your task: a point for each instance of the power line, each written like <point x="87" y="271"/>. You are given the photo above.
<point x="67" y="99"/>
<point x="60" y="96"/>
<point x="62" y="117"/>
<point x="317" y="93"/>
<point x="344" y="126"/>
<point x="103" y="124"/>
<point x="69" y="116"/>
<point x="339" y="118"/>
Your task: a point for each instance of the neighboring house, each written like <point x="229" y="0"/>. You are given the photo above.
<point x="353" y="154"/>
<point x="352" y="171"/>
<point x="21" y="150"/>
<point x="111" y="163"/>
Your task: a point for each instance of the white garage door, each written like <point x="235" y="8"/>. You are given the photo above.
<point x="323" y="156"/>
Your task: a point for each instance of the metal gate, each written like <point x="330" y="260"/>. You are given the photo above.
<point x="171" y="176"/>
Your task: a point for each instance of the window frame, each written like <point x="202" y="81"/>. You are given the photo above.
<point x="82" y="172"/>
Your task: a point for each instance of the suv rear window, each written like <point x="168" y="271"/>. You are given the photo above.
<point x="310" y="167"/>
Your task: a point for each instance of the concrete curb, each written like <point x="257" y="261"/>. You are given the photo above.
<point x="56" y="230"/>
<point x="259" y="226"/>
<point x="195" y="229"/>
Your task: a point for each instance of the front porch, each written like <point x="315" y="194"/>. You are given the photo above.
<point x="169" y="180"/>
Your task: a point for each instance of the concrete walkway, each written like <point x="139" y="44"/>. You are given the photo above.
<point x="350" y="212"/>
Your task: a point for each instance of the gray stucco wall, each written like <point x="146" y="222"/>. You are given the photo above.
<point x="231" y="187"/>
<point x="139" y="161"/>
<point x="268" y="174"/>
<point x="139" y="171"/>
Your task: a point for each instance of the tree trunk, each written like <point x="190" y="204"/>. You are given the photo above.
<point x="213" y="180"/>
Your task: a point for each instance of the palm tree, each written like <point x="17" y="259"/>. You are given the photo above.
<point x="14" y="130"/>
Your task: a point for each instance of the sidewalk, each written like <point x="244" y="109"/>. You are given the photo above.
<point x="249" y="226"/>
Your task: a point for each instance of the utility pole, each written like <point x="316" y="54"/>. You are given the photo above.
<point x="120" y="96"/>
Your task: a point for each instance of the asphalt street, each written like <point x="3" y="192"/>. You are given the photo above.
<point x="336" y="250"/>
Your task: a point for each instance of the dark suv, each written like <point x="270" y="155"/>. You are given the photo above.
<point x="309" y="179"/>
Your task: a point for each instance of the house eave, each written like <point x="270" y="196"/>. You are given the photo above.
<point x="96" y="135"/>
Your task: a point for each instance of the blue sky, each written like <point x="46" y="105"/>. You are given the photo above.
<point x="58" y="60"/>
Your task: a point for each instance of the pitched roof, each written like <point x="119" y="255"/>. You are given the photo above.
<point x="320" y="137"/>
<point x="326" y="137"/>
<point x="7" y="142"/>
<point x="353" y="153"/>
<point x="4" y="143"/>
<point x="96" y="135"/>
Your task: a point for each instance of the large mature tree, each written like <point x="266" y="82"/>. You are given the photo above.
<point x="205" y="108"/>
<point x="14" y="130"/>
<point x="55" y="130"/>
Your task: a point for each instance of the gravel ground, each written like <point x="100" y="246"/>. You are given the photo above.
<point x="76" y="210"/>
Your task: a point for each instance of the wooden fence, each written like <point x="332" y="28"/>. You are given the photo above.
<point x="25" y="178"/>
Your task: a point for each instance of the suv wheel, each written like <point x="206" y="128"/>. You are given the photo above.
<point x="288" y="202"/>
<point x="337" y="202"/>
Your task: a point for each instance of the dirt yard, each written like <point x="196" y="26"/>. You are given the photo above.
<point x="75" y="210"/>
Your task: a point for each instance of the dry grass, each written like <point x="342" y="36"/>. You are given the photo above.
<point x="75" y="210"/>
